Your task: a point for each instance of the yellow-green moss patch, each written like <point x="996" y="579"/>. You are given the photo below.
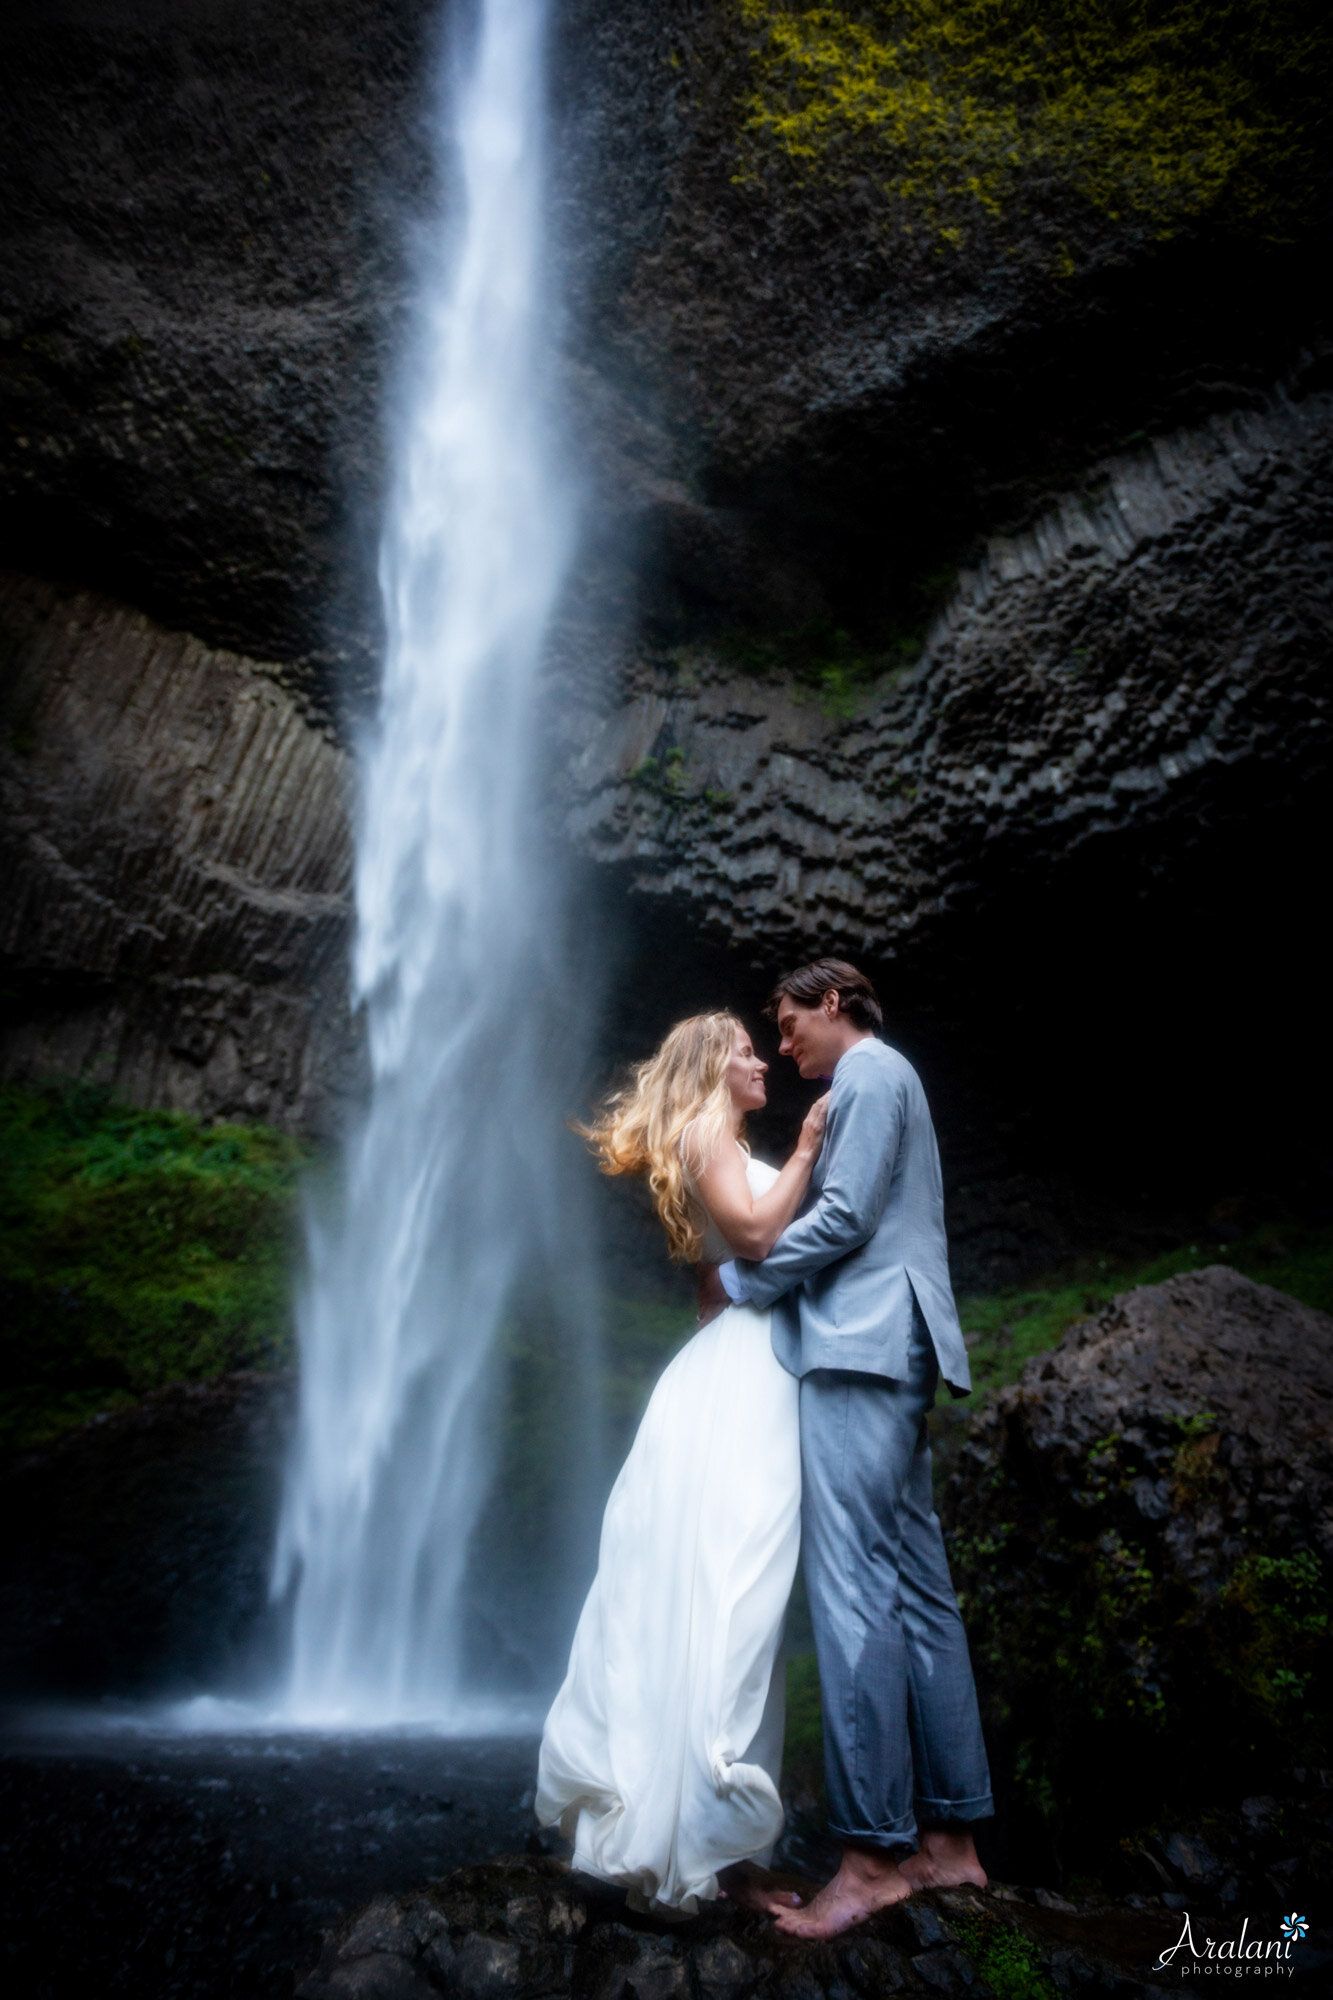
<point x="1163" y="112"/>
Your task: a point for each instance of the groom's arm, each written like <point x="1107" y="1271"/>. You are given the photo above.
<point x="862" y="1144"/>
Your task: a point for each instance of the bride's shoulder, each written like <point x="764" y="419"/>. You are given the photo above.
<point x="701" y="1148"/>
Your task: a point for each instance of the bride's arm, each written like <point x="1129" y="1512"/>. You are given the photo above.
<point x="753" y="1223"/>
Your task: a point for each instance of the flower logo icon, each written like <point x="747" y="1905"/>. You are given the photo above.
<point x="1294" y="1927"/>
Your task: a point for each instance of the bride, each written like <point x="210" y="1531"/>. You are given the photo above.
<point x="661" y="1753"/>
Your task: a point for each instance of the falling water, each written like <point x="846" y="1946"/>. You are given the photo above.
<point x="450" y="1197"/>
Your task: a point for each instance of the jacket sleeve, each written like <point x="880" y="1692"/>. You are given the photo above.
<point x="862" y="1145"/>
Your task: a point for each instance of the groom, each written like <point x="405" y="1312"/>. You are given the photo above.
<point x="863" y="1314"/>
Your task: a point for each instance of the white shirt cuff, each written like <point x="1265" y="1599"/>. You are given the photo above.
<point x="733" y="1284"/>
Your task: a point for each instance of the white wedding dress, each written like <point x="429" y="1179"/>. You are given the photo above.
<point x="661" y="1754"/>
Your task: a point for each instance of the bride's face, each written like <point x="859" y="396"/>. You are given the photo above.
<point x="745" y="1075"/>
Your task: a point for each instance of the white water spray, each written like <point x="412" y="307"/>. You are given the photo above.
<point x="451" y="1190"/>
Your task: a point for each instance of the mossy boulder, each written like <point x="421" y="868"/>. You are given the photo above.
<point x="1142" y="1534"/>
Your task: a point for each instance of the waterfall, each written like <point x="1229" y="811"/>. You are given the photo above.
<point x="452" y="1213"/>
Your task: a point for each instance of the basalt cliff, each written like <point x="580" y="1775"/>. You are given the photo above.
<point x="956" y="414"/>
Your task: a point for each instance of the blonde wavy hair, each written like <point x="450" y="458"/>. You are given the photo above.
<point x="641" y="1128"/>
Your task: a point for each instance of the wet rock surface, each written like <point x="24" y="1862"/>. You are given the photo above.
<point x="837" y="399"/>
<point x="794" y="397"/>
<point x="203" y="267"/>
<point x="1142" y="1531"/>
<point x="175" y="844"/>
<point x="150" y="1864"/>
<point x="528" y="1928"/>
<point x="135" y="1551"/>
<point x="1110" y="670"/>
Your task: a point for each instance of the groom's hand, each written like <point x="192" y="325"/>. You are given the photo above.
<point x="710" y="1298"/>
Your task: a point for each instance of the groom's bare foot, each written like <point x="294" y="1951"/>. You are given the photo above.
<point x="945" y="1858"/>
<point x="867" y="1880"/>
<point x="745" y="1886"/>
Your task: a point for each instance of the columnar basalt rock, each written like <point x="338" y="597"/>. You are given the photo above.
<point x="176" y="853"/>
<point x="1154" y="645"/>
<point x="799" y="407"/>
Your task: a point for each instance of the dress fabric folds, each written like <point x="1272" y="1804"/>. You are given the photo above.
<point x="661" y="1753"/>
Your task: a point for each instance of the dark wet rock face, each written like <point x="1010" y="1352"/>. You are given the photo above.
<point x="135" y="1552"/>
<point x="175" y="847"/>
<point x="1112" y="670"/>
<point x="798" y="397"/>
<point x="1087" y="440"/>
<point x="203" y="266"/>
<point x="810" y="397"/>
<point x="528" y="1928"/>
<point x="1142" y="1532"/>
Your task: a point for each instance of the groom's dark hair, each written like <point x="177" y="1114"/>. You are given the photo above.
<point x="809" y="983"/>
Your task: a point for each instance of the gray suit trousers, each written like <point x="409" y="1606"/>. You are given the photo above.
<point x="902" y="1736"/>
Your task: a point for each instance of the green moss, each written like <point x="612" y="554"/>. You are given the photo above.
<point x="1160" y="111"/>
<point x="823" y="661"/>
<point x="1007" y="1961"/>
<point x="136" y="1248"/>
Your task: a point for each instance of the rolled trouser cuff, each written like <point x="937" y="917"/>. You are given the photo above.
<point x="938" y="1812"/>
<point x="898" y="1835"/>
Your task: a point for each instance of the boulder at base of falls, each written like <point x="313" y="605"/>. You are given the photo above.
<point x="528" y="1929"/>
<point x="1141" y="1530"/>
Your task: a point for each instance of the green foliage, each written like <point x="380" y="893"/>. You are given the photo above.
<point x="803" y="1744"/>
<point x="1279" y="1610"/>
<point x="1164" y="110"/>
<point x="136" y="1248"/>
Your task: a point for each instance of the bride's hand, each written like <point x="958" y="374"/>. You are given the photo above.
<point x="812" y="1129"/>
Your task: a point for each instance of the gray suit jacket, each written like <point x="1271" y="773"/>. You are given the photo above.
<point x="841" y="1278"/>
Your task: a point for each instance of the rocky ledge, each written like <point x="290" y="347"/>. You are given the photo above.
<point x="529" y="1929"/>
<point x="1151" y="649"/>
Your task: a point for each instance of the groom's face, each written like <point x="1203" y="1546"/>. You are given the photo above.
<point x="811" y="1036"/>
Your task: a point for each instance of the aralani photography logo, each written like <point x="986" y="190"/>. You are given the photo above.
<point x="1195" y="1952"/>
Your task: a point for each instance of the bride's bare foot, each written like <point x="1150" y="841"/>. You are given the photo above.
<point x="866" y="1881"/>
<point x="945" y="1858"/>
<point x="745" y="1886"/>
